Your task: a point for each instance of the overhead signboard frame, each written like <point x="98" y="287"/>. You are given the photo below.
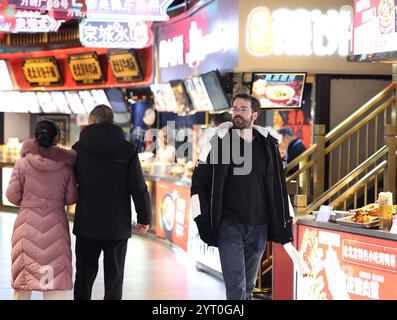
<point x="85" y="68"/>
<point x="41" y="71"/>
<point x="125" y="65"/>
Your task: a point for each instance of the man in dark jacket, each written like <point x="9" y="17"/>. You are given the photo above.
<point x="108" y="173"/>
<point x="241" y="202"/>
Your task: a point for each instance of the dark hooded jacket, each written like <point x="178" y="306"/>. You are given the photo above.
<point x="108" y="173"/>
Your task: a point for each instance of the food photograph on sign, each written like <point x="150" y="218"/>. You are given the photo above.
<point x="279" y="90"/>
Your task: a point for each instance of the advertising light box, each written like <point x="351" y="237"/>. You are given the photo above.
<point x="279" y="90"/>
<point x="375" y="28"/>
<point x="346" y="266"/>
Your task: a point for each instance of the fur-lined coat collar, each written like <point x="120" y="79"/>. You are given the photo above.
<point x="55" y="153"/>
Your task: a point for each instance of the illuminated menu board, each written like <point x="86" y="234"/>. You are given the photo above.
<point x="88" y="100"/>
<point x="29" y="99"/>
<point x="60" y="101"/>
<point x="279" y="90"/>
<point x="46" y="103"/>
<point x="375" y="27"/>
<point x="164" y="97"/>
<point x="5" y="78"/>
<point x="198" y="94"/>
<point x="74" y="101"/>
<point x="100" y="97"/>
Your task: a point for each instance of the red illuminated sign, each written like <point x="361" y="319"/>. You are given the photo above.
<point x="346" y="266"/>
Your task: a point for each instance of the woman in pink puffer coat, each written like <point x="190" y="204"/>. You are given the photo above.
<point x="42" y="183"/>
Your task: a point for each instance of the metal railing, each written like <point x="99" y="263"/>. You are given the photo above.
<point x="331" y="170"/>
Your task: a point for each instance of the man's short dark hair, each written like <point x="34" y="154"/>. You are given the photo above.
<point x="102" y="114"/>
<point x="286" y="131"/>
<point x="255" y="104"/>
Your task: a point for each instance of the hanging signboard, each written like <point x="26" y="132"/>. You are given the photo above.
<point x="375" y="28"/>
<point x="63" y="5"/>
<point x="41" y="71"/>
<point x="115" y="34"/>
<point x="125" y="66"/>
<point x="85" y="68"/>
<point x="149" y="10"/>
<point x="28" y="21"/>
<point x="199" y="43"/>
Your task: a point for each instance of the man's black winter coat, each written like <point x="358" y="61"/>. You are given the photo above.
<point x="108" y="173"/>
<point x="208" y="183"/>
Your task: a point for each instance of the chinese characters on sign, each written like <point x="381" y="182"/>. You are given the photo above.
<point x="29" y="21"/>
<point x="119" y="34"/>
<point x="125" y="66"/>
<point x="85" y="68"/>
<point x="149" y="10"/>
<point x="346" y="266"/>
<point x="41" y="71"/>
<point x="44" y="4"/>
<point x="299" y="32"/>
<point x="375" y="27"/>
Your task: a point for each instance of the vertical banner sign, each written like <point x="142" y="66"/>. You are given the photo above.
<point x="172" y="213"/>
<point x="125" y="66"/>
<point x="41" y="71"/>
<point x="85" y="68"/>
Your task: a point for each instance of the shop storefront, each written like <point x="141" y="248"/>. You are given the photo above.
<point x="64" y="86"/>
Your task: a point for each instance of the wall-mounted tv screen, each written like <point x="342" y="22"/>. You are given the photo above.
<point x="279" y="90"/>
<point x="75" y="102"/>
<point x="219" y="99"/>
<point x="182" y="98"/>
<point x="117" y="100"/>
<point x="198" y="94"/>
<point x="164" y="97"/>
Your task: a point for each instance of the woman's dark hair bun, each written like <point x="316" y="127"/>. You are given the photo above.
<point x="45" y="132"/>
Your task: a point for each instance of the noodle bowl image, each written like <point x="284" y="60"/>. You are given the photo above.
<point x="279" y="93"/>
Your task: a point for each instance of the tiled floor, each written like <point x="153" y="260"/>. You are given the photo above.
<point x="154" y="271"/>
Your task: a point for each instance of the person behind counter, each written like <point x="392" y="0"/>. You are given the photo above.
<point x="108" y="173"/>
<point x="42" y="183"/>
<point x="290" y="148"/>
<point x="240" y="205"/>
<point x="165" y="152"/>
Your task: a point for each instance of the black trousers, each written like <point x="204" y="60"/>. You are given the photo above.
<point x="87" y="255"/>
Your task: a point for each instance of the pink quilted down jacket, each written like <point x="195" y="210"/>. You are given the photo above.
<point x="42" y="183"/>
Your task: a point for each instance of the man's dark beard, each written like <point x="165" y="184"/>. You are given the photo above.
<point x="241" y="123"/>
